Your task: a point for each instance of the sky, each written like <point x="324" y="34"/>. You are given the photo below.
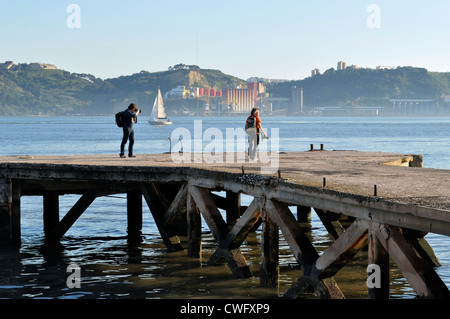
<point x="283" y="39"/>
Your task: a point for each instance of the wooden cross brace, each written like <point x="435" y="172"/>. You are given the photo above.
<point x="229" y="240"/>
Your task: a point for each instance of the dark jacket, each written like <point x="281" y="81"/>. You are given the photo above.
<point x="129" y="117"/>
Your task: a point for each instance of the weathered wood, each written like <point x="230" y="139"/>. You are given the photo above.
<point x="209" y="211"/>
<point x="134" y="215"/>
<point x="303" y="214"/>
<point x="299" y="243"/>
<point x="51" y="211"/>
<point x="233" y="256"/>
<point x="168" y="235"/>
<point x="330" y="262"/>
<point x="269" y="270"/>
<point x="303" y="251"/>
<point x="419" y="273"/>
<point x="178" y="205"/>
<point x="5" y="211"/>
<point x="378" y="256"/>
<point x="331" y="222"/>
<point x="16" y="214"/>
<point x="421" y="245"/>
<point x="239" y="232"/>
<point x="233" y="207"/>
<point x="72" y="216"/>
<point x="194" y="228"/>
<point x="342" y="250"/>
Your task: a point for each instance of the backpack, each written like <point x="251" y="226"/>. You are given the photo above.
<point x="120" y="119"/>
<point x="250" y="123"/>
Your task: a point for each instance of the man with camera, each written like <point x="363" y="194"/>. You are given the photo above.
<point x="130" y="118"/>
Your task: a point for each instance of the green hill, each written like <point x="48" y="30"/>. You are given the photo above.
<point x="26" y="90"/>
<point x="366" y="87"/>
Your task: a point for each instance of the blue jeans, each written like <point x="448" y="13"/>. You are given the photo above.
<point x="128" y="134"/>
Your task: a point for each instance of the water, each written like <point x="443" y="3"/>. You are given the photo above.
<point x="113" y="268"/>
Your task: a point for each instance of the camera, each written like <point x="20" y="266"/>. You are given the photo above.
<point x="138" y="110"/>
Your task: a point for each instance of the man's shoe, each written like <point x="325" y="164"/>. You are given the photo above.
<point x="122" y="156"/>
<point x="132" y="156"/>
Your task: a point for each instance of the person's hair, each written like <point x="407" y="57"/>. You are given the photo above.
<point x="254" y="110"/>
<point x="132" y="106"/>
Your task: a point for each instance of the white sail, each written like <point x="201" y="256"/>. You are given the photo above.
<point x="161" y="109"/>
<point x="159" y="116"/>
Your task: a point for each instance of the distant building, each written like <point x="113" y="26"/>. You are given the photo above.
<point x="179" y="92"/>
<point x="341" y="65"/>
<point x="382" y="67"/>
<point x="297" y="98"/>
<point x="43" y="66"/>
<point x="7" y="65"/>
<point x="208" y="92"/>
<point x="353" y="66"/>
<point x="315" y="72"/>
<point x="243" y="100"/>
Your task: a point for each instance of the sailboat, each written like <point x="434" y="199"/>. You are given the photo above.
<point x="158" y="116"/>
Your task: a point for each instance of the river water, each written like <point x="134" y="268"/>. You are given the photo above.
<point x="111" y="268"/>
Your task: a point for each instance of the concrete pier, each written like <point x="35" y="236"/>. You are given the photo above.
<point x="391" y="201"/>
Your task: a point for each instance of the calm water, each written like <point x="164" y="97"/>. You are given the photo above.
<point x="112" y="268"/>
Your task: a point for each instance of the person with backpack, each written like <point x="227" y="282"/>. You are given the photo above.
<point x="253" y="128"/>
<point x="129" y="119"/>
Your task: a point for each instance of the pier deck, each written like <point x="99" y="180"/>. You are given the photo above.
<point x="392" y="201"/>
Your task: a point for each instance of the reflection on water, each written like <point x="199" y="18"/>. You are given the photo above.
<point x="112" y="268"/>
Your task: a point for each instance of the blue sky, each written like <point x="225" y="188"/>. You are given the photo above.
<point x="283" y="39"/>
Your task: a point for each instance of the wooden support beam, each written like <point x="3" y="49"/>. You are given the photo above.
<point x="421" y="245"/>
<point x="134" y="215"/>
<point x="331" y="222"/>
<point x="16" y="214"/>
<point x="342" y="250"/>
<point x="157" y="210"/>
<point x="72" y="216"/>
<point x="177" y="207"/>
<point x="303" y="251"/>
<point x="239" y="232"/>
<point x="378" y="257"/>
<point x="330" y="262"/>
<point x="303" y="214"/>
<point x="209" y="211"/>
<point x="418" y="272"/>
<point x="233" y="207"/>
<point x="194" y="228"/>
<point x="269" y="270"/>
<point x="235" y="260"/>
<point x="5" y="211"/>
<point x="51" y="211"/>
<point x="299" y="243"/>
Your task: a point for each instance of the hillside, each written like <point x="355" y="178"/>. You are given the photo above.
<point x="29" y="91"/>
<point x="351" y="87"/>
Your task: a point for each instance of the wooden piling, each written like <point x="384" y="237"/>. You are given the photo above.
<point x="233" y="206"/>
<point x="379" y="257"/>
<point x="5" y="211"/>
<point x="134" y="215"/>
<point x="269" y="269"/>
<point x="16" y="236"/>
<point x="194" y="228"/>
<point x="51" y="211"/>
